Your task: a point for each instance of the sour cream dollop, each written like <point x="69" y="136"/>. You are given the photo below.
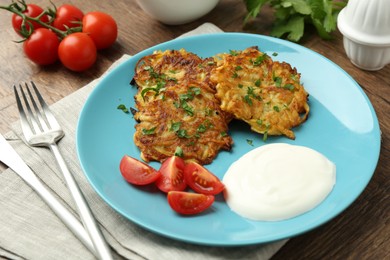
<point x="278" y="181"/>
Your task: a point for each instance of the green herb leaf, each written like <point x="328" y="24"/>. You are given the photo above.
<point x="123" y="108"/>
<point x="258" y="83"/>
<point x="289" y="87"/>
<point x="179" y="151"/>
<point x="201" y="128"/>
<point x="175" y="126"/>
<point x="259" y="59"/>
<point x="294" y="28"/>
<point x="182" y="133"/>
<point x="292" y="15"/>
<point x="233" y="52"/>
<point x="148" y="131"/>
<point x="253" y="7"/>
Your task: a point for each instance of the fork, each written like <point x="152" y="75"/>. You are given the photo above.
<point x="41" y="128"/>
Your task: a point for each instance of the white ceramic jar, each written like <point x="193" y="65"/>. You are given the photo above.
<point x="174" y="12"/>
<point x="365" y="25"/>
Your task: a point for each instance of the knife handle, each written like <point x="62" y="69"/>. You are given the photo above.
<point x="70" y="221"/>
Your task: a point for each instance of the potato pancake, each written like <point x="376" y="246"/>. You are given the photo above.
<point x="177" y="109"/>
<point x="264" y="93"/>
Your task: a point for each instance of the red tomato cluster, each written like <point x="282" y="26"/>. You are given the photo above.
<point x="67" y="34"/>
<point x="173" y="177"/>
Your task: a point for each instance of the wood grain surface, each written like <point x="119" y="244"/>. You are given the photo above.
<point x="360" y="232"/>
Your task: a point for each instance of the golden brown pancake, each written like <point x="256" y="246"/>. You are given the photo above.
<point x="177" y="109"/>
<point x="264" y="93"/>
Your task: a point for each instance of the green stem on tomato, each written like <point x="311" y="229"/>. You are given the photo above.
<point x="18" y="10"/>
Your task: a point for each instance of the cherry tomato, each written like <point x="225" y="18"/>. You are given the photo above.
<point x="189" y="203"/>
<point x="137" y="172"/>
<point x="68" y="16"/>
<point x="42" y="46"/>
<point x="31" y="11"/>
<point x="101" y="27"/>
<point x="172" y="175"/>
<point x="201" y="180"/>
<point x="77" y="51"/>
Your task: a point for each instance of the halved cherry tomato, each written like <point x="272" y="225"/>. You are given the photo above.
<point x="101" y="27"/>
<point x="31" y="11"/>
<point x="201" y="180"/>
<point x="189" y="203"/>
<point x="77" y="51"/>
<point x="42" y="46"/>
<point x="172" y="175"/>
<point x="68" y="16"/>
<point x="136" y="172"/>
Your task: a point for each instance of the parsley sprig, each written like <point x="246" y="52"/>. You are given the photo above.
<point x="292" y="15"/>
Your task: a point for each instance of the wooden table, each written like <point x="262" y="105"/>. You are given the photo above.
<point x="360" y="232"/>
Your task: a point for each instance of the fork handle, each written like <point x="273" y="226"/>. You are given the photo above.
<point x="101" y="247"/>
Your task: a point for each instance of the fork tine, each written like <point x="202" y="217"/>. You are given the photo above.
<point x="23" y="118"/>
<point x="35" y="126"/>
<point x="49" y="115"/>
<point x="45" y="126"/>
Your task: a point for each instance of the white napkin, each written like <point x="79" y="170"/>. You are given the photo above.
<point x="28" y="228"/>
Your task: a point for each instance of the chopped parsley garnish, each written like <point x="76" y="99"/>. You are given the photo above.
<point x="189" y="109"/>
<point x="259" y="59"/>
<point x="208" y="112"/>
<point x="182" y="133"/>
<point x="143" y="92"/>
<point x="248" y="100"/>
<point x="183" y="98"/>
<point x="233" y="53"/>
<point x="175" y="126"/>
<point x="276" y="108"/>
<point x="238" y="67"/>
<point x="191" y="93"/>
<point x="250" y="142"/>
<point x="161" y="81"/>
<point x="278" y="81"/>
<point x="123" y="108"/>
<point x="258" y="83"/>
<point x="179" y="151"/>
<point x="152" y="73"/>
<point x="289" y="87"/>
<point x="201" y="128"/>
<point x="251" y="94"/>
<point x="148" y="131"/>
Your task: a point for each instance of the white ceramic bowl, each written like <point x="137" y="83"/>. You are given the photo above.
<point x="174" y="12"/>
<point x="365" y="25"/>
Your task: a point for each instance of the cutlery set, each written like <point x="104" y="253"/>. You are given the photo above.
<point x="40" y="128"/>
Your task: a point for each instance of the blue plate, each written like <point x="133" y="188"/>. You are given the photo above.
<point x="342" y="125"/>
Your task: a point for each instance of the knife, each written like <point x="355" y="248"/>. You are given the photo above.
<point x="10" y="158"/>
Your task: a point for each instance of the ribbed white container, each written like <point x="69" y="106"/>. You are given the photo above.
<point x="365" y="25"/>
